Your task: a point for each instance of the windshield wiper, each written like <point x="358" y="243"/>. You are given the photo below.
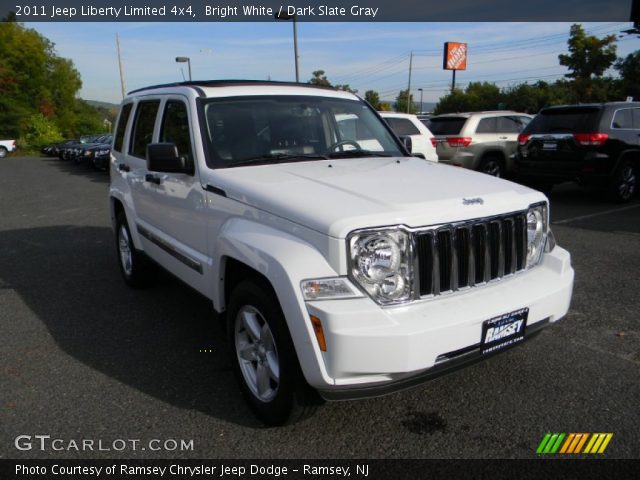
<point x="357" y="153"/>
<point x="277" y="158"/>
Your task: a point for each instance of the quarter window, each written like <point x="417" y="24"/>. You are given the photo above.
<point x="402" y="126"/>
<point x="636" y="118"/>
<point x="622" y="119"/>
<point x="122" y="126"/>
<point x="143" y="127"/>
<point x="487" y="125"/>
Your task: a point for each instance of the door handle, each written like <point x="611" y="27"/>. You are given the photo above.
<point x="123" y="167"/>
<point x="152" y="179"/>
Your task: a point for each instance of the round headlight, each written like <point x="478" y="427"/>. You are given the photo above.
<point x="379" y="257"/>
<point x="380" y="265"/>
<point x="535" y="235"/>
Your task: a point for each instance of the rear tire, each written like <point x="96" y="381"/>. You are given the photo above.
<point x="492" y="165"/>
<point x="3" y="152"/>
<point x="624" y="183"/>
<point x="135" y="267"/>
<point x="264" y="358"/>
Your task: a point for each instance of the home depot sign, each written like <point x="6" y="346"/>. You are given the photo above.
<point x="455" y="56"/>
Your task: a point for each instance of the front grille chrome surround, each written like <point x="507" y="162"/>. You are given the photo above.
<point x="467" y="254"/>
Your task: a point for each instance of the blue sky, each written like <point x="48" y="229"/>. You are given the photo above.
<point x="364" y="55"/>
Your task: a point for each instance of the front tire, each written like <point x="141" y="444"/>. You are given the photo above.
<point x="264" y="358"/>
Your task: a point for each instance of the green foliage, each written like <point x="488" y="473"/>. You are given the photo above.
<point x="401" y="103"/>
<point x="373" y="98"/>
<point x="588" y="57"/>
<point x="319" y="78"/>
<point x="629" y="69"/>
<point x="35" y="81"/>
<point x="39" y="131"/>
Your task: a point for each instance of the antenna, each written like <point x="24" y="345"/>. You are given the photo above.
<point x="120" y="65"/>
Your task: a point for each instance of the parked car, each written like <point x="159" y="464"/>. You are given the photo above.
<point x="6" y="147"/>
<point x="72" y="151"/>
<point x="87" y="152"/>
<point x="482" y="141"/>
<point x="341" y="271"/>
<point x="594" y="144"/>
<point x="404" y="124"/>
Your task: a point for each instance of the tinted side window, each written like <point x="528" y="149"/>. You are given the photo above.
<point x="175" y="127"/>
<point x="636" y="118"/>
<point x="402" y="126"/>
<point x="487" y="125"/>
<point x="143" y="127"/>
<point x="122" y="125"/>
<point x="622" y="119"/>
<point x="508" y="125"/>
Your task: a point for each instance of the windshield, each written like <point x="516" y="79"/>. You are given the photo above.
<point x="272" y="129"/>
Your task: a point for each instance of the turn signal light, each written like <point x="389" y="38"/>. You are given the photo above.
<point x="459" y="141"/>
<point x="317" y="328"/>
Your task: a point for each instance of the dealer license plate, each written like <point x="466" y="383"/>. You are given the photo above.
<point x="503" y="331"/>
<point x="549" y="146"/>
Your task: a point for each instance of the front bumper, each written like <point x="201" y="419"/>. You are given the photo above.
<point x="373" y="350"/>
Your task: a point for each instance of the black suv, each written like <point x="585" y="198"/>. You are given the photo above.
<point x="595" y="144"/>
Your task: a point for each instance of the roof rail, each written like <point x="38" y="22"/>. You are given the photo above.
<point x="229" y="83"/>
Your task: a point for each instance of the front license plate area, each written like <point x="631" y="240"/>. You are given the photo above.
<point x="503" y="331"/>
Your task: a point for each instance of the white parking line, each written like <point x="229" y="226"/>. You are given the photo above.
<point x="591" y="215"/>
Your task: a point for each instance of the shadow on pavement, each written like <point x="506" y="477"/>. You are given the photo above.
<point x="148" y="339"/>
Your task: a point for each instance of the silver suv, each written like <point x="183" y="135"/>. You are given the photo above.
<point x="483" y="141"/>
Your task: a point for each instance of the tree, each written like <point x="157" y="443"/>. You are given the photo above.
<point x="629" y="69"/>
<point x="319" y="78"/>
<point x="401" y="103"/>
<point x="588" y="57"/>
<point x="373" y="98"/>
<point x="35" y="81"/>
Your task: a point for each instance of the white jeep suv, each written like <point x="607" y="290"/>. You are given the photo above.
<point x="344" y="267"/>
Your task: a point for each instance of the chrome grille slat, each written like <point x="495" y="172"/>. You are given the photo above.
<point x="463" y="255"/>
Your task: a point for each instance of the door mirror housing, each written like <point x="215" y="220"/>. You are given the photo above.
<point x="164" y="157"/>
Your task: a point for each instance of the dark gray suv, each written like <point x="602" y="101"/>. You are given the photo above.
<point x="595" y="144"/>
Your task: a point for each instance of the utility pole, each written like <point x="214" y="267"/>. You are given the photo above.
<point x="120" y="65"/>
<point x="409" y="85"/>
<point x="295" y="47"/>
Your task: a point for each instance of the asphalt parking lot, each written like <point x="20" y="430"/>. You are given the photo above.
<point x="84" y="357"/>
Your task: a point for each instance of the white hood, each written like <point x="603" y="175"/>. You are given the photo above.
<point x="337" y="196"/>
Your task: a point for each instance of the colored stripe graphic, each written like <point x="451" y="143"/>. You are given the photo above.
<point x="573" y="443"/>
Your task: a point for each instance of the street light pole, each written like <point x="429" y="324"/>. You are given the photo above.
<point x="420" y="90"/>
<point x="188" y="61"/>
<point x="286" y="16"/>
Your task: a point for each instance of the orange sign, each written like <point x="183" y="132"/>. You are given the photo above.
<point x="455" y="56"/>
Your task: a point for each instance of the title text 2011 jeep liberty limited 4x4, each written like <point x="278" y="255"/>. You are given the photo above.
<point x="345" y="267"/>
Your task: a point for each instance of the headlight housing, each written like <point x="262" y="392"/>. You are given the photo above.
<point x="379" y="263"/>
<point x="537" y="229"/>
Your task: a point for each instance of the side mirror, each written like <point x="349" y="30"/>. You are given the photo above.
<point x="406" y="141"/>
<point x="164" y="157"/>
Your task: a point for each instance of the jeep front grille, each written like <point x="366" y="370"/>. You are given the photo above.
<point x="456" y="256"/>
